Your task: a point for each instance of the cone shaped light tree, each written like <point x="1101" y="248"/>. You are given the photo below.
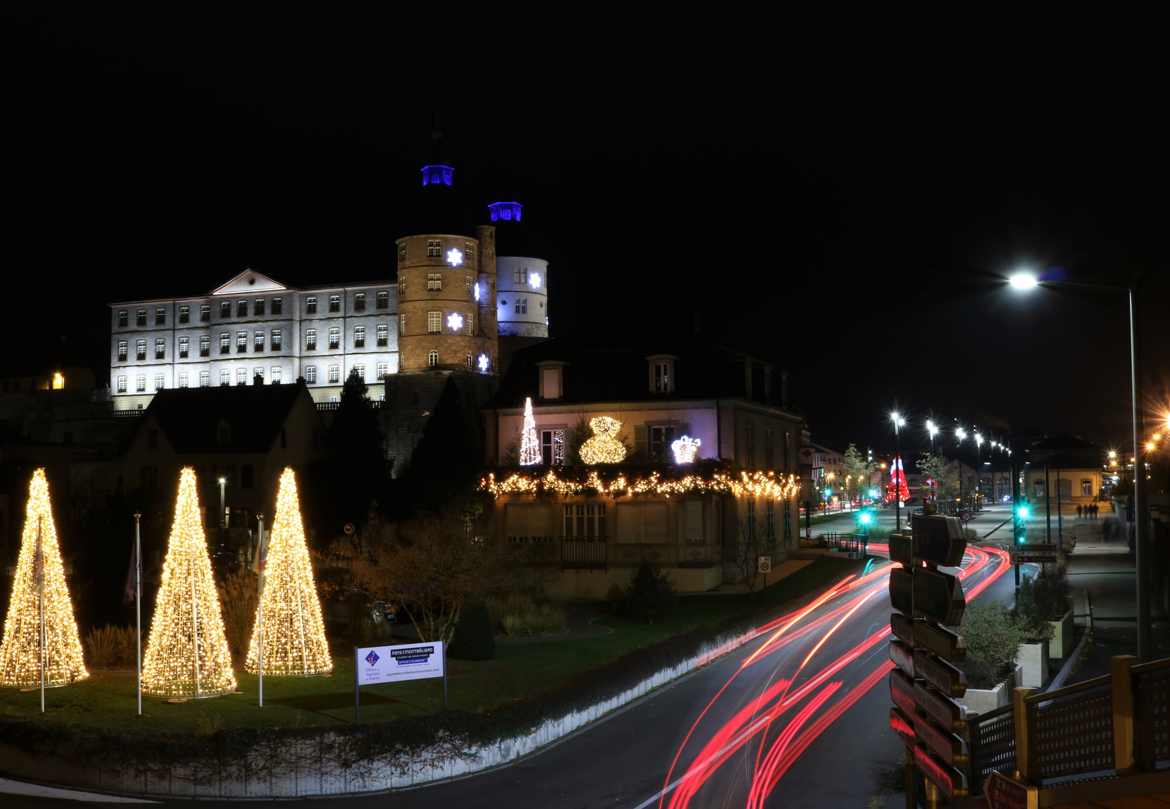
<point x="293" y="632"/>
<point x="187" y="653"/>
<point x="21" y="649"/>
<point x="529" y="444"/>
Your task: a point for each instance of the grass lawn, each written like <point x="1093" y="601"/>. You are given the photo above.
<point x="520" y="670"/>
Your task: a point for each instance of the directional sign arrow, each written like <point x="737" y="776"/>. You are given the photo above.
<point x="939" y="673"/>
<point x="938" y="596"/>
<point x="938" y="539"/>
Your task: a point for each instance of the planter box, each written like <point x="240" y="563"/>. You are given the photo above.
<point x="1060" y="645"/>
<point x="1032" y="664"/>
<point x="982" y="700"/>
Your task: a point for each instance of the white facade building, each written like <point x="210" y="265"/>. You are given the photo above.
<point x="251" y="327"/>
<point x="522" y="296"/>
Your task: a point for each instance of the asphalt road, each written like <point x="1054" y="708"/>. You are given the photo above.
<point x="795" y="718"/>
<point x="993" y="523"/>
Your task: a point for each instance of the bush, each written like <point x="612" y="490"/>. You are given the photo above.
<point x="111" y="647"/>
<point x="649" y="596"/>
<point x="238" y="599"/>
<point x="1042" y="599"/>
<point x="993" y="636"/>
<point x="473" y="638"/>
<point x="520" y="614"/>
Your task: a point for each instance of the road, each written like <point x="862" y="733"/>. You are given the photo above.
<point x="993" y="523"/>
<point x="797" y="718"/>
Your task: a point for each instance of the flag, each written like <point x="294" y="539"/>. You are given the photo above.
<point x="260" y="556"/>
<point x="131" y="589"/>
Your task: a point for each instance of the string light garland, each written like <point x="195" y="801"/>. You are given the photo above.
<point x="294" y="634"/>
<point x="603" y="446"/>
<point x="20" y="651"/>
<point x="529" y="445"/>
<point x="187" y="652"/>
<point x="745" y="484"/>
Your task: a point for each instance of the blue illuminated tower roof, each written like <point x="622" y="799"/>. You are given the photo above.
<point x="438" y="174"/>
<point x="505" y="211"/>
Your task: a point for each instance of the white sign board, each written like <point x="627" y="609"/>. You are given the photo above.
<point x="394" y="664"/>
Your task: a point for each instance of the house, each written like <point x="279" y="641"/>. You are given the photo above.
<point x="1065" y="469"/>
<point x="683" y="455"/>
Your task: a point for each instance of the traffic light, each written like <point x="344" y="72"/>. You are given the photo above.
<point x="865" y="518"/>
<point x="1023" y="511"/>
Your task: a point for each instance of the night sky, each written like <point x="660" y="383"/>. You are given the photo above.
<point x="847" y="213"/>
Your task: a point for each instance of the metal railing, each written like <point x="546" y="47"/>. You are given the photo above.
<point x="584" y="554"/>
<point x="852" y="544"/>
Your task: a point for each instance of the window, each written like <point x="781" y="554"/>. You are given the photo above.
<point x="663" y="376"/>
<point x="770" y="522"/>
<point x="258" y="374"/>
<point x="383" y="300"/>
<point x="160" y="382"/>
<point x="241" y="342"/>
<point x="140" y="384"/>
<point x="468" y="281"/>
<point x="311" y="340"/>
<point x="140" y="318"/>
<point x="311" y="305"/>
<point x="258" y="339"/>
<point x="140" y="350"/>
<point x="521" y="306"/>
<point x="184" y="347"/>
<point x="277" y="306"/>
<point x="383" y="370"/>
<point x="359" y="336"/>
<point x="434" y="322"/>
<point x="183" y="379"/>
<point x="204" y="379"/>
<point x="469" y="253"/>
<point x="401" y="286"/>
<point x="660" y="438"/>
<point x="749" y="528"/>
<point x="241" y="376"/>
<point x="1086" y="488"/>
<point x="334" y="303"/>
<point x="225" y="377"/>
<point x="584" y="521"/>
<point x="275" y="374"/>
<point x="383" y="334"/>
<point x="121" y="384"/>
<point x="225" y="342"/>
<point x="160" y="348"/>
<point x="123" y="318"/>
<point x="401" y="252"/>
<point x="360" y="372"/>
<point x="160" y="316"/>
<point x="470" y="363"/>
<point x="184" y="314"/>
<point x="1064" y="488"/>
<point x="434" y="282"/>
<point x="520" y="276"/>
<point x="204" y="346"/>
<point x="432" y="358"/>
<point x="123" y="349"/>
<point x="334" y="374"/>
<point x="277" y="340"/>
<point x="258" y="306"/>
<point x="552" y="446"/>
<point x="402" y="324"/>
<point x="311" y="374"/>
<point x="434" y="248"/>
<point x="334" y="337"/>
<point x="205" y="313"/>
<point x="359" y="301"/>
<point x="225" y="310"/>
<point x="241" y="308"/>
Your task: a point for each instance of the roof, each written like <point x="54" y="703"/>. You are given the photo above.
<point x="598" y="371"/>
<point x="252" y="416"/>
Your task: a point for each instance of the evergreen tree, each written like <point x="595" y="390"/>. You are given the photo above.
<point x="356" y="465"/>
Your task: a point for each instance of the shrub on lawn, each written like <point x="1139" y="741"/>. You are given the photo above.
<point x="473" y="638"/>
<point x="109" y="647"/>
<point x="993" y="636"/>
<point x="237" y="599"/>
<point x="649" y="596"/>
<point x="521" y="614"/>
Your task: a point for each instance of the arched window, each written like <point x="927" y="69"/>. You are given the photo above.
<point x="432" y="358"/>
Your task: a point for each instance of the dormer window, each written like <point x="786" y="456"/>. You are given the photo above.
<point x="661" y="373"/>
<point x="552" y="380"/>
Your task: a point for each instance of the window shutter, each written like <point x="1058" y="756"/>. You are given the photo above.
<point x="641" y="441"/>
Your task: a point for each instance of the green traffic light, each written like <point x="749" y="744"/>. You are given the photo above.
<point x="1023" y="512"/>
<point x="865" y="518"/>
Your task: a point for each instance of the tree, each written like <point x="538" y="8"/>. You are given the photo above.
<point x="858" y="471"/>
<point x="187" y="652"/>
<point x="39" y="566"/>
<point x="529" y="443"/>
<point x="294" y="633"/>
<point x="943" y="476"/>
<point x="449" y="457"/>
<point x="356" y="468"/>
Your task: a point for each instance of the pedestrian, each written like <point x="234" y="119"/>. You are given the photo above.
<point x="1079" y="510"/>
<point x="1095" y="507"/>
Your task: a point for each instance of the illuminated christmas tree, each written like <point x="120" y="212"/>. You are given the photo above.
<point x="187" y="652"/>
<point x="21" y="649"/>
<point x="529" y="445"/>
<point x="294" y="634"/>
<point x="897" y="487"/>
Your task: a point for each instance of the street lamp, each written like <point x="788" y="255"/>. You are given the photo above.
<point x="932" y="431"/>
<point x="1025" y="280"/>
<point x="899" y="422"/>
<point x="222" y="505"/>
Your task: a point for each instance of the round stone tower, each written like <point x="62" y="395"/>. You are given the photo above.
<point x="522" y="303"/>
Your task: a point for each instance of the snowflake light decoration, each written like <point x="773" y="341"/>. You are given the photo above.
<point x="483" y="362"/>
<point x="455" y="257"/>
<point x="455" y="321"/>
<point x="477" y="292"/>
<point x="685" y="449"/>
<point x="534" y="280"/>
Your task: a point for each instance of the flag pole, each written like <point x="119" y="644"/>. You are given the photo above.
<point x="41" y="599"/>
<point x="260" y="605"/>
<point x="138" y="600"/>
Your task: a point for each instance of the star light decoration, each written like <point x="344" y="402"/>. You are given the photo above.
<point x="187" y="652"/>
<point x="455" y="257"/>
<point x="603" y="446"/>
<point x="20" y="651"/>
<point x="534" y="280"/>
<point x="529" y="444"/>
<point x="294" y="633"/>
<point x="685" y="449"/>
<point x="483" y="362"/>
<point x="455" y="321"/>
<point x="745" y="484"/>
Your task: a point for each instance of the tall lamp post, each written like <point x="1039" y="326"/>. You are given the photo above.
<point x="899" y="472"/>
<point x="960" y="437"/>
<point x="978" y="468"/>
<point x="222" y="504"/>
<point x="1026" y="281"/>
<point x="932" y="431"/>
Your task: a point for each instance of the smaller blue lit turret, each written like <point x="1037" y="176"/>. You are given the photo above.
<point x="438" y="174"/>
<point x="506" y="211"/>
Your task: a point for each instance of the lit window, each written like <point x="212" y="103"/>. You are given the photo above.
<point x="552" y="446"/>
<point x="334" y="374"/>
<point x="225" y="310"/>
<point x="204" y="346"/>
<point x="140" y="384"/>
<point x="334" y="337"/>
<point x="277" y="340"/>
<point x="383" y="370"/>
<point x="225" y="377"/>
<point x="225" y="342"/>
<point x="241" y="342"/>
<point x="275" y="374"/>
<point x="160" y="382"/>
<point x="123" y="319"/>
<point x="258" y="373"/>
<point x="311" y="340"/>
<point x="434" y="282"/>
<point x="258" y="306"/>
<point x="360" y="372"/>
<point x="184" y="348"/>
<point x="160" y="348"/>
<point x="123" y="349"/>
<point x="434" y="248"/>
<point x="121" y="384"/>
<point x="311" y="374"/>
<point x="334" y="303"/>
<point x="277" y="306"/>
<point x="584" y="521"/>
<point x="359" y="302"/>
<point x="470" y="363"/>
<point x="241" y="376"/>
<point x="160" y="316"/>
<point x="401" y="286"/>
<point x="258" y="337"/>
<point x="311" y="305"/>
<point x="184" y="314"/>
<point x="140" y="317"/>
<point x="183" y="379"/>
<point x="204" y="379"/>
<point x="359" y="336"/>
<point x="434" y="322"/>
<point x="205" y="313"/>
<point x="521" y="306"/>
<point x="432" y="358"/>
<point x="140" y="349"/>
<point x="383" y="334"/>
<point x="469" y="253"/>
<point x="402" y="324"/>
<point x="383" y="300"/>
<point x="663" y="376"/>
<point x="241" y="309"/>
